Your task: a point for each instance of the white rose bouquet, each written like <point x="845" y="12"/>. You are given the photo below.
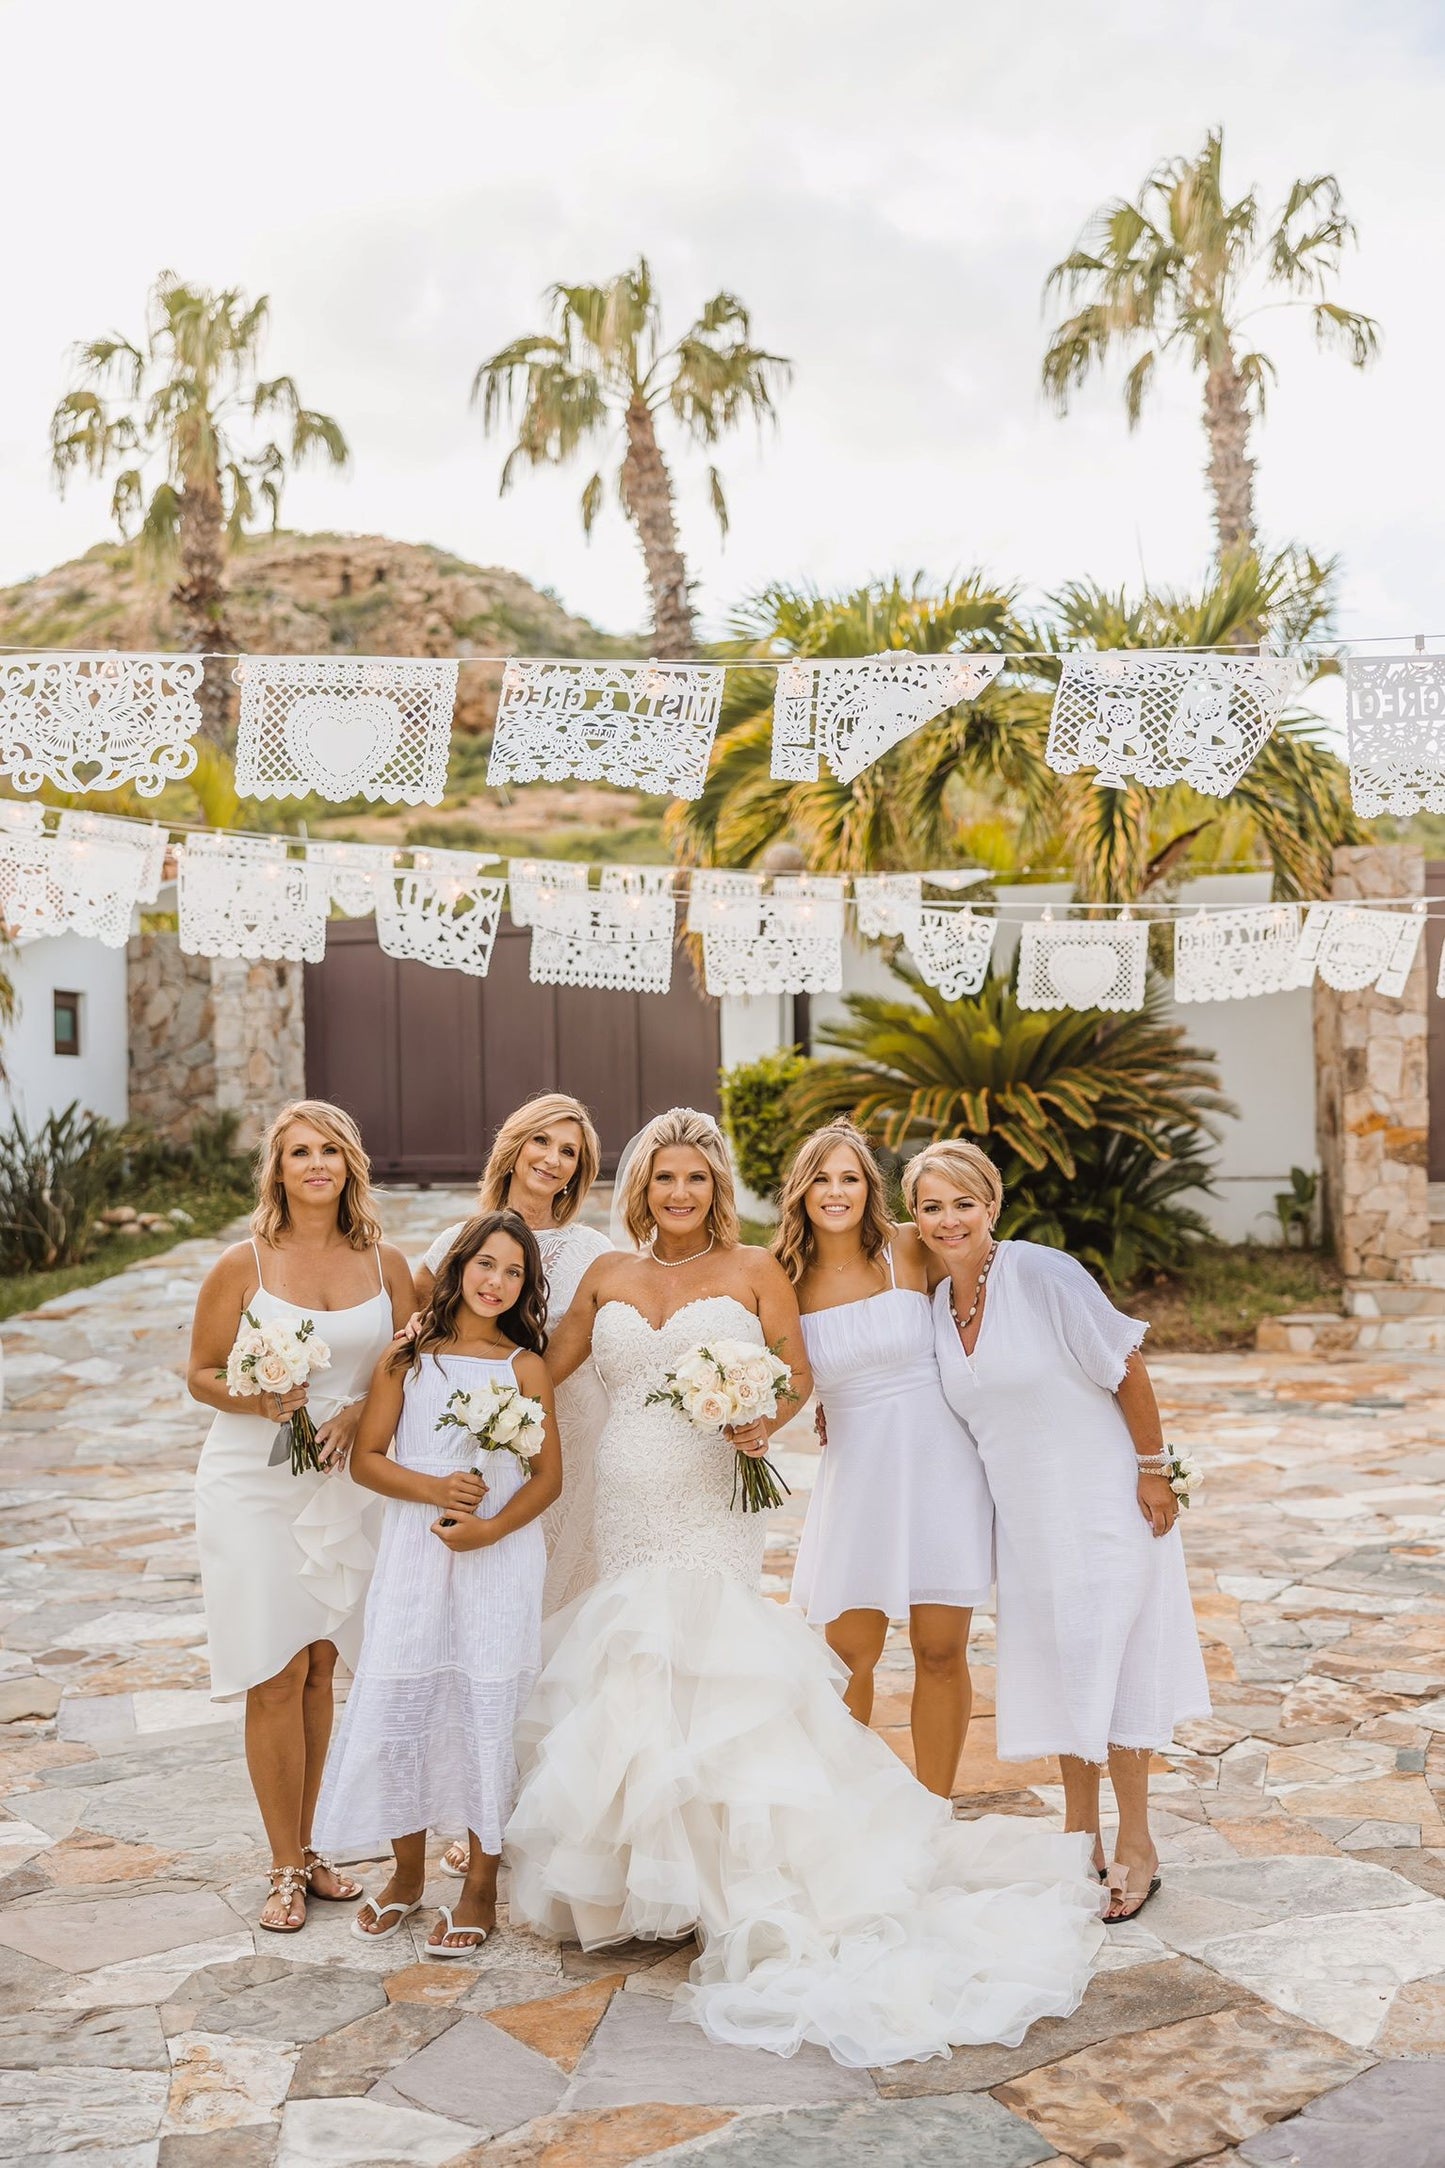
<point x="499" y="1419"/>
<point x="731" y="1382"/>
<point x="274" y="1358"/>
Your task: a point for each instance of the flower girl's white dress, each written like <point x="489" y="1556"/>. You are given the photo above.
<point x="687" y="1760"/>
<point x="581" y="1411"/>
<point x="453" y="1643"/>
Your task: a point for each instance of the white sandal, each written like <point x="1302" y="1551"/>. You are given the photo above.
<point x="382" y="1934"/>
<point x="448" y="1865"/>
<point x="439" y="1949"/>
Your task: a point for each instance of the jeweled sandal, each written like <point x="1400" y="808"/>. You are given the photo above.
<point x="346" y="1895"/>
<point x="287" y="1883"/>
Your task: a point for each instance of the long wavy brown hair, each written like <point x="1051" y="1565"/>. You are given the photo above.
<point x="535" y="1114"/>
<point x="795" y="1242"/>
<point x="356" y="1211"/>
<point x="525" y="1323"/>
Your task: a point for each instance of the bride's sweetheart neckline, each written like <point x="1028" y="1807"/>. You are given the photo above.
<point x="618" y="1302"/>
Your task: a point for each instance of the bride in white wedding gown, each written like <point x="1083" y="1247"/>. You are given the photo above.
<point x="687" y="1758"/>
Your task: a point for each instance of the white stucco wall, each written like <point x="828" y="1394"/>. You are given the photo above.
<point x="38" y="1081"/>
<point x="1265" y="1049"/>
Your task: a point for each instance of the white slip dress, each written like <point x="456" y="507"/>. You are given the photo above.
<point x="453" y="1645"/>
<point x="285" y="1559"/>
<point x="581" y="1412"/>
<point x="900" y="1512"/>
<point x="688" y="1762"/>
<point x="1097" y="1645"/>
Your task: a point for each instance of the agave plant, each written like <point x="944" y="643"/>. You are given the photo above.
<point x="1027" y="1082"/>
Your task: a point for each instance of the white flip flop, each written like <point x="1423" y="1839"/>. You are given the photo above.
<point x="384" y="1934"/>
<point x="446" y="1866"/>
<point x="483" y="1934"/>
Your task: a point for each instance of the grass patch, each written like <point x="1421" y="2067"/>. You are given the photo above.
<point x="211" y="1205"/>
<point x="1227" y="1290"/>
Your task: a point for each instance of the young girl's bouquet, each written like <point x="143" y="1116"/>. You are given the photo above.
<point x="499" y="1419"/>
<point x="728" y="1382"/>
<point x="274" y="1358"/>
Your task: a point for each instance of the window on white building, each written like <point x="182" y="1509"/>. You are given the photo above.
<point x="67" y="1023"/>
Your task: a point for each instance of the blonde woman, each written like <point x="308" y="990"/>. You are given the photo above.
<point x="285" y="1559"/>
<point x="1098" y="1657"/>
<point x="688" y="1762"/>
<point x="900" y="1523"/>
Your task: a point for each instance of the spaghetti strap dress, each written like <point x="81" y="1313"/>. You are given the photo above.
<point x="286" y="1559"/>
<point x="900" y="1512"/>
<point x="453" y="1646"/>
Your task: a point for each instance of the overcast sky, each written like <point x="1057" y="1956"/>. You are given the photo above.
<point x="884" y="185"/>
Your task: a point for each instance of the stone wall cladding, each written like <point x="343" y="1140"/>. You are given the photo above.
<point x="1372" y="1100"/>
<point x="211" y="1034"/>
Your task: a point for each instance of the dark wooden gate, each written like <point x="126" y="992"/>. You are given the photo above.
<point x="429" y="1062"/>
<point x="1434" y="941"/>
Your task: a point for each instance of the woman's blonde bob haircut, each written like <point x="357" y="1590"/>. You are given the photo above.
<point x="356" y="1210"/>
<point x="973" y="1172"/>
<point x="795" y="1241"/>
<point x="681" y="1126"/>
<point x="535" y="1114"/>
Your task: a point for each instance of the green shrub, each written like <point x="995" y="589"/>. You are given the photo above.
<point x="754" y="1102"/>
<point x="53" y="1187"/>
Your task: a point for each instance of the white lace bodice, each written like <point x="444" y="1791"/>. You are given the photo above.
<point x="664" y="1487"/>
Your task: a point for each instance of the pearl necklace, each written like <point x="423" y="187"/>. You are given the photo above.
<point x="669" y="1263"/>
<point x="979" y="1285"/>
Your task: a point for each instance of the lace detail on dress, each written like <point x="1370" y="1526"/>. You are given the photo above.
<point x="664" y="1488"/>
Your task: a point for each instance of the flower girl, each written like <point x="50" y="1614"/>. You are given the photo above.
<point x="453" y="1621"/>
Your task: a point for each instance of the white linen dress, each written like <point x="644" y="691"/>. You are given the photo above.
<point x="453" y="1645"/>
<point x="688" y="1761"/>
<point x="1097" y="1645"/>
<point x="900" y="1512"/>
<point x="286" y="1559"/>
<point x="581" y="1412"/>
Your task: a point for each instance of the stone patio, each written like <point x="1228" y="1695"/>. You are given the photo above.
<point x="1282" y="2001"/>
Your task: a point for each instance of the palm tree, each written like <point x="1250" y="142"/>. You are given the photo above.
<point x="166" y="412"/>
<point x="982" y="766"/>
<point x="864" y="825"/>
<point x="1181" y="269"/>
<point x="603" y="363"/>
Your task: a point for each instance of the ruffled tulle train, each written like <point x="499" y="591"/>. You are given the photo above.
<point x="687" y="1760"/>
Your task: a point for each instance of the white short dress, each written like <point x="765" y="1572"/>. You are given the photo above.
<point x="286" y="1559"/>
<point x="900" y="1512"/>
<point x="1097" y="1645"/>
<point x="453" y="1645"/>
<point x="567" y="1526"/>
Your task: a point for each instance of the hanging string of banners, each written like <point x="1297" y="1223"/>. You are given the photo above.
<point x="614" y="927"/>
<point x="342" y="727"/>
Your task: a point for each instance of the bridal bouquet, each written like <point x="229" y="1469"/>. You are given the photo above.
<point x="727" y="1382"/>
<point x="499" y="1419"/>
<point x="274" y="1358"/>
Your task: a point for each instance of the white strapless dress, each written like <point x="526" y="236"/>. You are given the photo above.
<point x="688" y="1762"/>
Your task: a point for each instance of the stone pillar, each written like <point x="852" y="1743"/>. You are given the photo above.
<point x="1372" y="1108"/>
<point x="211" y="1034"/>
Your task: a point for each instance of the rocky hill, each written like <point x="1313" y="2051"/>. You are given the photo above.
<point x="316" y="594"/>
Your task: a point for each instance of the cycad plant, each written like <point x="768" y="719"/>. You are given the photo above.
<point x="1095" y="1121"/>
<point x="602" y="367"/>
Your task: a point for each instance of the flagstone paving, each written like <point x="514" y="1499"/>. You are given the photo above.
<point x="1282" y="2000"/>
